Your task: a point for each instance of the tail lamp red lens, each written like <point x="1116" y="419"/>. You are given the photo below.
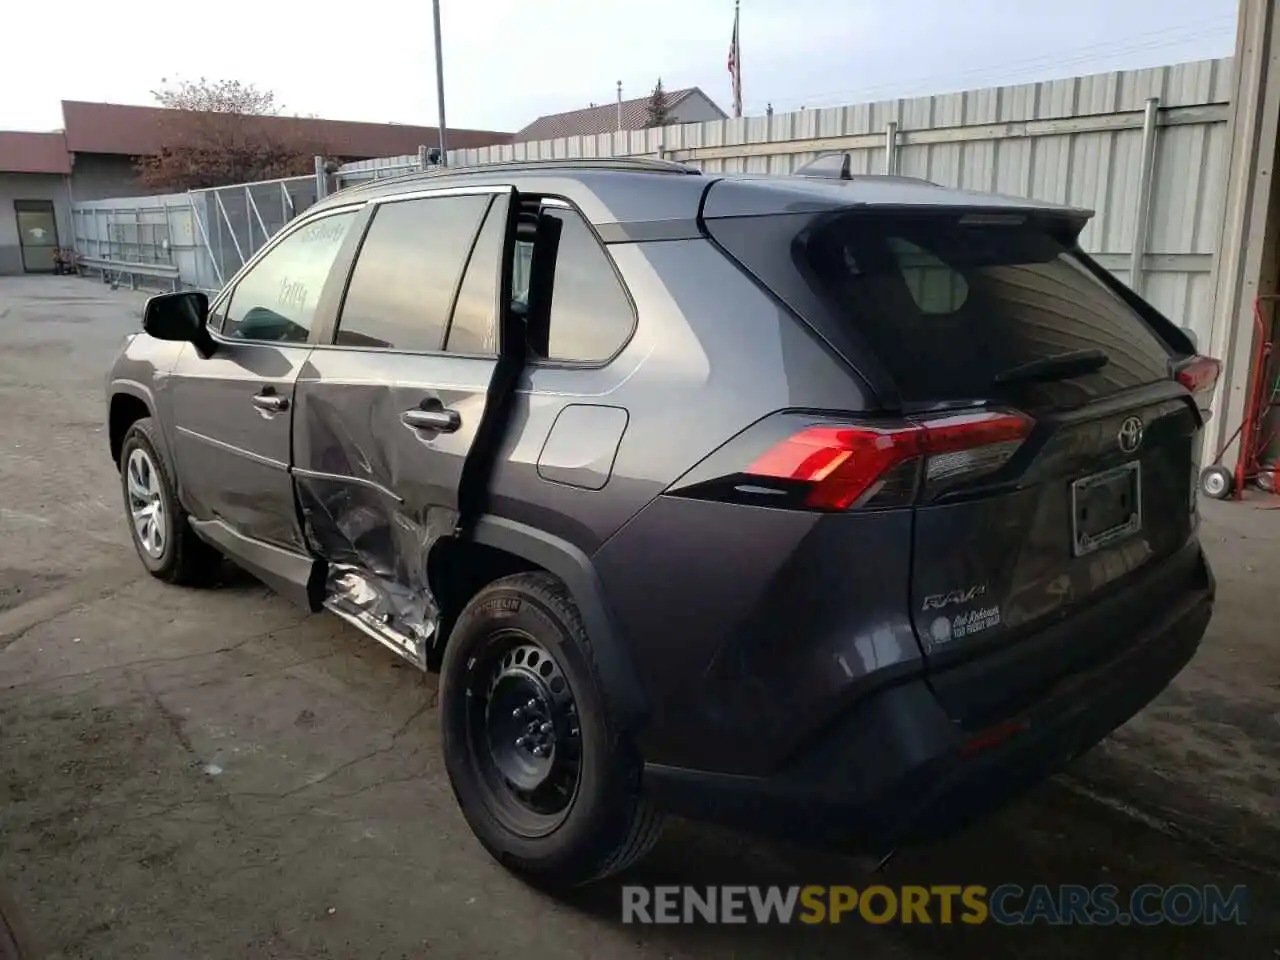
<point x="1200" y="376"/>
<point x="847" y="466"/>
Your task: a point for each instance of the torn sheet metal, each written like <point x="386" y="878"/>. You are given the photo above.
<point x="363" y="511"/>
<point x="391" y="614"/>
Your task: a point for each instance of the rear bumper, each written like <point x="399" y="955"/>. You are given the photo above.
<point x="899" y="768"/>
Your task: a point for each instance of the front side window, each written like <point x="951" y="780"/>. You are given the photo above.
<point x="591" y="315"/>
<point x="408" y="268"/>
<point x="276" y="300"/>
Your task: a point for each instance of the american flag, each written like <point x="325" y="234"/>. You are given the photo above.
<point x="735" y="66"/>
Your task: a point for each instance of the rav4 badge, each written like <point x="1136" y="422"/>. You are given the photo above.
<point x="939" y="601"/>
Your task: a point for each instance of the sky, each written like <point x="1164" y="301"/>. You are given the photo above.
<point x="509" y="61"/>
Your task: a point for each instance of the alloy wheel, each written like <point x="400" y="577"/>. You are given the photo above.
<point x="146" y="502"/>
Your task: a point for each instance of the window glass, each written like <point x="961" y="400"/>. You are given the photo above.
<point x="218" y="315"/>
<point x="950" y="303"/>
<point x="473" y="329"/>
<point x="406" y="273"/>
<point x="276" y="300"/>
<point x="934" y="286"/>
<point x="591" y="316"/>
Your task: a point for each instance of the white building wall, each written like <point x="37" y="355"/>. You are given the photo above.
<point x="695" y="108"/>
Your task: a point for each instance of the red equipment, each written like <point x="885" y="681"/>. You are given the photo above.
<point x="1252" y="432"/>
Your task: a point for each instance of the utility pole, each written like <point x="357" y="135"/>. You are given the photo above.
<point x="619" y="104"/>
<point x="444" y="147"/>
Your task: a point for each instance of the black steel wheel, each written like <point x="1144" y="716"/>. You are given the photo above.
<point x="547" y="779"/>
<point x="522" y="727"/>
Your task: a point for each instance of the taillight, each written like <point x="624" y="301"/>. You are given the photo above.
<point x="966" y="446"/>
<point x="828" y="466"/>
<point x="1200" y="376"/>
<point x="839" y="465"/>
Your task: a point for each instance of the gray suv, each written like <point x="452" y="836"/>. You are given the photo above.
<point x="833" y="507"/>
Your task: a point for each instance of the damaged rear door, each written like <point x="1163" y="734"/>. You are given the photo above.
<point x="389" y="406"/>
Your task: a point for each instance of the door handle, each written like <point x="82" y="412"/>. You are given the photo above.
<point x="442" y="420"/>
<point x="270" y="402"/>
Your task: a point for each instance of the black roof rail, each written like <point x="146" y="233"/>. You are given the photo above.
<point x="836" y="166"/>
<point x="622" y="164"/>
<point x="633" y="164"/>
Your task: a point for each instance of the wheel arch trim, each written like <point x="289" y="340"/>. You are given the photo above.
<point x="138" y="391"/>
<point x="121" y="386"/>
<point x="564" y="560"/>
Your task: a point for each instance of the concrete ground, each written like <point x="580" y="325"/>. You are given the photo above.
<point x="215" y="774"/>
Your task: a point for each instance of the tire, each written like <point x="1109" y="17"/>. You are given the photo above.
<point x="168" y="547"/>
<point x="607" y="824"/>
<point x="1217" y="482"/>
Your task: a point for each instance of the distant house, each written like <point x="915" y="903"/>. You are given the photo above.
<point x="690" y="105"/>
<point x="92" y="158"/>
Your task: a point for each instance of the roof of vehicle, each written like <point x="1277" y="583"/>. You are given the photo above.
<point x="646" y="190"/>
<point x="747" y="194"/>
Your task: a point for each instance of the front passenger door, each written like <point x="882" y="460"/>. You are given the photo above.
<point x="232" y="411"/>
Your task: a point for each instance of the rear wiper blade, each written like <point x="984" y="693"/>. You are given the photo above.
<point x="1061" y="366"/>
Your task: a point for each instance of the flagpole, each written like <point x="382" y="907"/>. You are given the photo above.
<point x="735" y="64"/>
<point x="444" y="136"/>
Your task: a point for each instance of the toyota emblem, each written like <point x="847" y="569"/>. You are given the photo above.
<point x="1130" y="435"/>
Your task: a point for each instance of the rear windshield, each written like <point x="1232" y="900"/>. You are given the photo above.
<point x="951" y="302"/>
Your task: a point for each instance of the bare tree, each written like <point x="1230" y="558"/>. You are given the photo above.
<point x="216" y="132"/>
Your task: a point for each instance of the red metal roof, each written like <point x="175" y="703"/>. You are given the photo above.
<point x="602" y="118"/>
<point x="33" y="153"/>
<point x="138" y="131"/>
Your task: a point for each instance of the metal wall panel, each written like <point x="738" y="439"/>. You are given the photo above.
<point x="1077" y="141"/>
<point x="147" y="241"/>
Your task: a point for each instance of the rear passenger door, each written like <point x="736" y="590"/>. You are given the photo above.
<point x="388" y="407"/>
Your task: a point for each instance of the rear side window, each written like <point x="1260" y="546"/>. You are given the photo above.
<point x="591" y="314"/>
<point x="949" y="303"/>
<point x="407" y="271"/>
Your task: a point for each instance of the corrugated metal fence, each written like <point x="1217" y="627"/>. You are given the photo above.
<point x="1080" y="141"/>
<point x="1146" y="149"/>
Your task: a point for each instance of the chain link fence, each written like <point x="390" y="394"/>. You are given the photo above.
<point x="234" y="222"/>
<point x="199" y="239"/>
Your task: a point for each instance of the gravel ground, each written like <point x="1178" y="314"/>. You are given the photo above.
<point x="215" y="774"/>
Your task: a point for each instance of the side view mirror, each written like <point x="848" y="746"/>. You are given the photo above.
<point x="180" y="317"/>
<point x="1191" y="335"/>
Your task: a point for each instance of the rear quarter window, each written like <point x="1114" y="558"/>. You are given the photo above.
<point x="591" y="313"/>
